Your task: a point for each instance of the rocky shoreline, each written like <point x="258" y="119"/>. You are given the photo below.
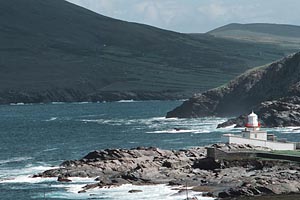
<point x="220" y="179"/>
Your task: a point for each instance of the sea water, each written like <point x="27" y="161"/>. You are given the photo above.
<point x="37" y="137"/>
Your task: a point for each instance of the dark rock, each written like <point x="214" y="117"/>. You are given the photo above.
<point x="175" y="182"/>
<point x="264" y="190"/>
<point x="206" y="164"/>
<point x="63" y="179"/>
<point x="135" y="191"/>
<point x="130" y="177"/>
<point x="167" y="164"/>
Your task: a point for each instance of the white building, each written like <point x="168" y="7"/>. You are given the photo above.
<point x="254" y="136"/>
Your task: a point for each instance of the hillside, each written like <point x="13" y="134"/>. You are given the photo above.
<point x="52" y="50"/>
<point x="272" y="89"/>
<point x="281" y="34"/>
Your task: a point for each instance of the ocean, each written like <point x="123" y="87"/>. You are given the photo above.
<point x="38" y="137"/>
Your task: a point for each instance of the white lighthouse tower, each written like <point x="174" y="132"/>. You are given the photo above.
<point x="253" y="122"/>
<point x="252" y="128"/>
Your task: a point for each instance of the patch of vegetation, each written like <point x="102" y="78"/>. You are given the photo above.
<point x="287" y="152"/>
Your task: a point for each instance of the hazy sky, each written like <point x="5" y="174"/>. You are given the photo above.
<point x="197" y="15"/>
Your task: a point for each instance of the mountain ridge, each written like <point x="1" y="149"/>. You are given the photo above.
<point x="280" y="34"/>
<point x="52" y="50"/>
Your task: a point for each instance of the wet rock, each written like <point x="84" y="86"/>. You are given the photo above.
<point x="206" y="164"/>
<point x="63" y="179"/>
<point x="135" y="191"/>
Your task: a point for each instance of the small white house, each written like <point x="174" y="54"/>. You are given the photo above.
<point x="254" y="136"/>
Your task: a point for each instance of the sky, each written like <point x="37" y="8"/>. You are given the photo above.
<point x="196" y="16"/>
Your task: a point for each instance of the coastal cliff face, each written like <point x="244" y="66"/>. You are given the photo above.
<point x="277" y="113"/>
<point x="274" y="87"/>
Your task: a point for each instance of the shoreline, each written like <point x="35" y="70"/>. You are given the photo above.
<point x="273" y="197"/>
<point x="152" y="166"/>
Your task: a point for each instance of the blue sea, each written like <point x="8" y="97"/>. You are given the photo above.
<point x="37" y="137"/>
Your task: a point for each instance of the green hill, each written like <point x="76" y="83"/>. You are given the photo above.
<point x="281" y="34"/>
<point x="52" y="50"/>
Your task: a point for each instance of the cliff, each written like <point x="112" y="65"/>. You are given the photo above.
<point x="266" y="88"/>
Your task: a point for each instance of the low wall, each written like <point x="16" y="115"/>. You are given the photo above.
<point x="233" y="139"/>
<point x="218" y="155"/>
<point x="278" y="156"/>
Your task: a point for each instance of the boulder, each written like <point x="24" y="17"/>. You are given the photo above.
<point x="206" y="164"/>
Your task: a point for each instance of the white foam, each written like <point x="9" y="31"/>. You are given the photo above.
<point x="15" y="159"/>
<point x="288" y="129"/>
<point x="58" y="102"/>
<point x="27" y="179"/>
<point x="150" y="192"/>
<point x="127" y="101"/>
<point x="23" y="175"/>
<point x="51" y="119"/>
<point x="17" y="104"/>
<point x="228" y="127"/>
<point x="51" y="149"/>
<point x="174" y="131"/>
<point x="169" y="125"/>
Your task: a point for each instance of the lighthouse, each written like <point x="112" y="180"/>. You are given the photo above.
<point x="252" y="128"/>
<point x="252" y="122"/>
<point x="254" y="136"/>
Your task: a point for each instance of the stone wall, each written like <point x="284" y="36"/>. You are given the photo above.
<point x="218" y="154"/>
<point x="234" y="139"/>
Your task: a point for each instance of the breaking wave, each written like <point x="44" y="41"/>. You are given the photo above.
<point x="149" y="192"/>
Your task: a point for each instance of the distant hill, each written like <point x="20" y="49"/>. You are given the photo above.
<point x="51" y="50"/>
<point x="282" y="34"/>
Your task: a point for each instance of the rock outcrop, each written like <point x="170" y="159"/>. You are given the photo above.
<point x="223" y="179"/>
<point x="273" y="86"/>
<point x="278" y="113"/>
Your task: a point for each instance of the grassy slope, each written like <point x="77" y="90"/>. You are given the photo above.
<point x="50" y="45"/>
<point x="280" y="34"/>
